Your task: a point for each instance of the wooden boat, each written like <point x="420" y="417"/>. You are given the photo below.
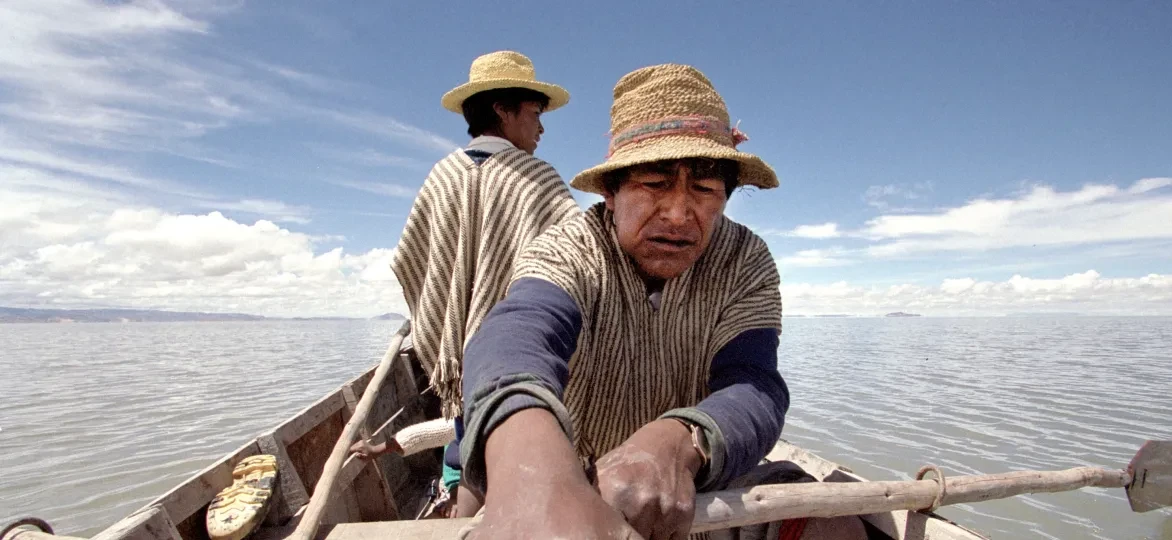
<point x="385" y="498"/>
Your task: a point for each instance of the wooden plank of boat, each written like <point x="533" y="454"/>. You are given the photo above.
<point x="304" y="441"/>
<point x="190" y="496"/>
<point x="151" y="523"/>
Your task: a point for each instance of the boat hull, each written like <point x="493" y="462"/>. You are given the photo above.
<point x="382" y="498"/>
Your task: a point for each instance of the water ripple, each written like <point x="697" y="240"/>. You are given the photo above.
<point x="107" y="416"/>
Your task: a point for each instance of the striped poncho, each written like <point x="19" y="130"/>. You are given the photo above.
<point x="635" y="362"/>
<point x="455" y="257"/>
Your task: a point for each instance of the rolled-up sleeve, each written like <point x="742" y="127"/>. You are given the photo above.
<point x="743" y="416"/>
<point x="518" y="359"/>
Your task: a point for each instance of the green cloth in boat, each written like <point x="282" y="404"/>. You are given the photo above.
<point x="468" y="225"/>
<point x="635" y="363"/>
<point x="449" y="475"/>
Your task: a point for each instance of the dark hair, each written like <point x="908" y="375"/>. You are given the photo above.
<point x="726" y="169"/>
<point x="480" y="110"/>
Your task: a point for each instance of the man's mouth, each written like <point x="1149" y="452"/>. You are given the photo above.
<point x="672" y="243"/>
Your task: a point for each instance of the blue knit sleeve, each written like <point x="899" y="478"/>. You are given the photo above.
<point x="518" y="359"/>
<point x="743" y="416"/>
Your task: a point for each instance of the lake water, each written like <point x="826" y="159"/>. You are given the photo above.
<point x="98" y="419"/>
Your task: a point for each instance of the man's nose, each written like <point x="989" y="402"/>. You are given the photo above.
<point x="674" y="204"/>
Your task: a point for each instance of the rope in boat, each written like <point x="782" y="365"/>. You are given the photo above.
<point x="940" y="485"/>
<point x="26" y="522"/>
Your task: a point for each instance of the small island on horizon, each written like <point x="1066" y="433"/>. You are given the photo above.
<point x="902" y="314"/>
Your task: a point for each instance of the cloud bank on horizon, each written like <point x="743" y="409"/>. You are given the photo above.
<point x="125" y="182"/>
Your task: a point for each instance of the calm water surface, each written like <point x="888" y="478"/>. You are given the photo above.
<point x="97" y="419"/>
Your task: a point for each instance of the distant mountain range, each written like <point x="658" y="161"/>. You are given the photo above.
<point x="36" y="315"/>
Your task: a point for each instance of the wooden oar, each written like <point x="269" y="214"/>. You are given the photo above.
<point x="323" y="490"/>
<point x="1148" y="479"/>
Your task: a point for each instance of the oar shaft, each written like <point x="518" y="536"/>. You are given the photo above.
<point x="970" y="489"/>
<point x="323" y="490"/>
<point x="763" y="504"/>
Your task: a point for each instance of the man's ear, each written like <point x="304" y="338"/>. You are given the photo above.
<point x="608" y="197"/>
<point x="501" y="112"/>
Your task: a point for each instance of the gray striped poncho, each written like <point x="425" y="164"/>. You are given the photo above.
<point x="468" y="225"/>
<point x="633" y="363"/>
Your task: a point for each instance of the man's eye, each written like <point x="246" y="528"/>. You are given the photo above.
<point x="708" y="186"/>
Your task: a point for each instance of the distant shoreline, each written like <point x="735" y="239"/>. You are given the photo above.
<point x="11" y="315"/>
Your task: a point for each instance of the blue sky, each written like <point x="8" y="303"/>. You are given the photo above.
<point x="947" y="158"/>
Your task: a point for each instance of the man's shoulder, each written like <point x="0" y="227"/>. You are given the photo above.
<point x="738" y="241"/>
<point x="580" y="230"/>
<point x="450" y="164"/>
<point x="514" y="157"/>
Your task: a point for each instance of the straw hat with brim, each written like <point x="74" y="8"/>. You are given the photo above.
<point x="502" y="69"/>
<point x="670" y="112"/>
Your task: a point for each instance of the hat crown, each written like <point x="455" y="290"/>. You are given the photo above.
<point x="666" y="91"/>
<point x="502" y="65"/>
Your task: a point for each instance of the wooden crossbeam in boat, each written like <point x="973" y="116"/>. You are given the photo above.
<point x="371" y="489"/>
<point x="427" y="529"/>
<point x="292" y="494"/>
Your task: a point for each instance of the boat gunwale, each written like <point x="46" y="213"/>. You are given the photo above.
<point x="180" y="503"/>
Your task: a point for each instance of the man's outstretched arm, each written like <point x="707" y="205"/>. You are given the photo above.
<point x="517" y="360"/>
<point x="516" y="447"/>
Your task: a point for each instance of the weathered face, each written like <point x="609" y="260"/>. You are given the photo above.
<point x="665" y="213"/>
<point x="522" y="128"/>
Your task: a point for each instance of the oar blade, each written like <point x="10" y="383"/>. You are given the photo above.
<point x="1151" y="477"/>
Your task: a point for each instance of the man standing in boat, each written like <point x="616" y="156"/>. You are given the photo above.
<point x="476" y="211"/>
<point x="639" y="337"/>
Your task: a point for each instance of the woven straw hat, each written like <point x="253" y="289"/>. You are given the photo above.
<point x="502" y="69"/>
<point x="670" y="112"/>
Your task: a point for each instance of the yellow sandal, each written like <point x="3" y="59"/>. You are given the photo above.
<point x="239" y="509"/>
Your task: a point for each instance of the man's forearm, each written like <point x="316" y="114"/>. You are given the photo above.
<point x="746" y="408"/>
<point x="529" y="443"/>
<point x="518" y="360"/>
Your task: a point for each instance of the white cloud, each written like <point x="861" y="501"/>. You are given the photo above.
<point x="387" y="127"/>
<point x="18" y="151"/>
<point x="825" y="230"/>
<point x="74" y="251"/>
<point x="275" y="210"/>
<point x="148" y="75"/>
<point x="880" y="196"/>
<point x="814" y="258"/>
<point x="378" y="188"/>
<point x="368" y="157"/>
<point x="1087" y="292"/>
<point x="1041" y="217"/>
<point x="1149" y="184"/>
<point x="817" y="232"/>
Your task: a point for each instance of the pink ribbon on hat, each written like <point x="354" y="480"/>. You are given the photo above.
<point x="738" y="136"/>
<point x="676" y="125"/>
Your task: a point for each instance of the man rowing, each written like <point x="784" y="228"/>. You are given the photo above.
<point x="641" y="336"/>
